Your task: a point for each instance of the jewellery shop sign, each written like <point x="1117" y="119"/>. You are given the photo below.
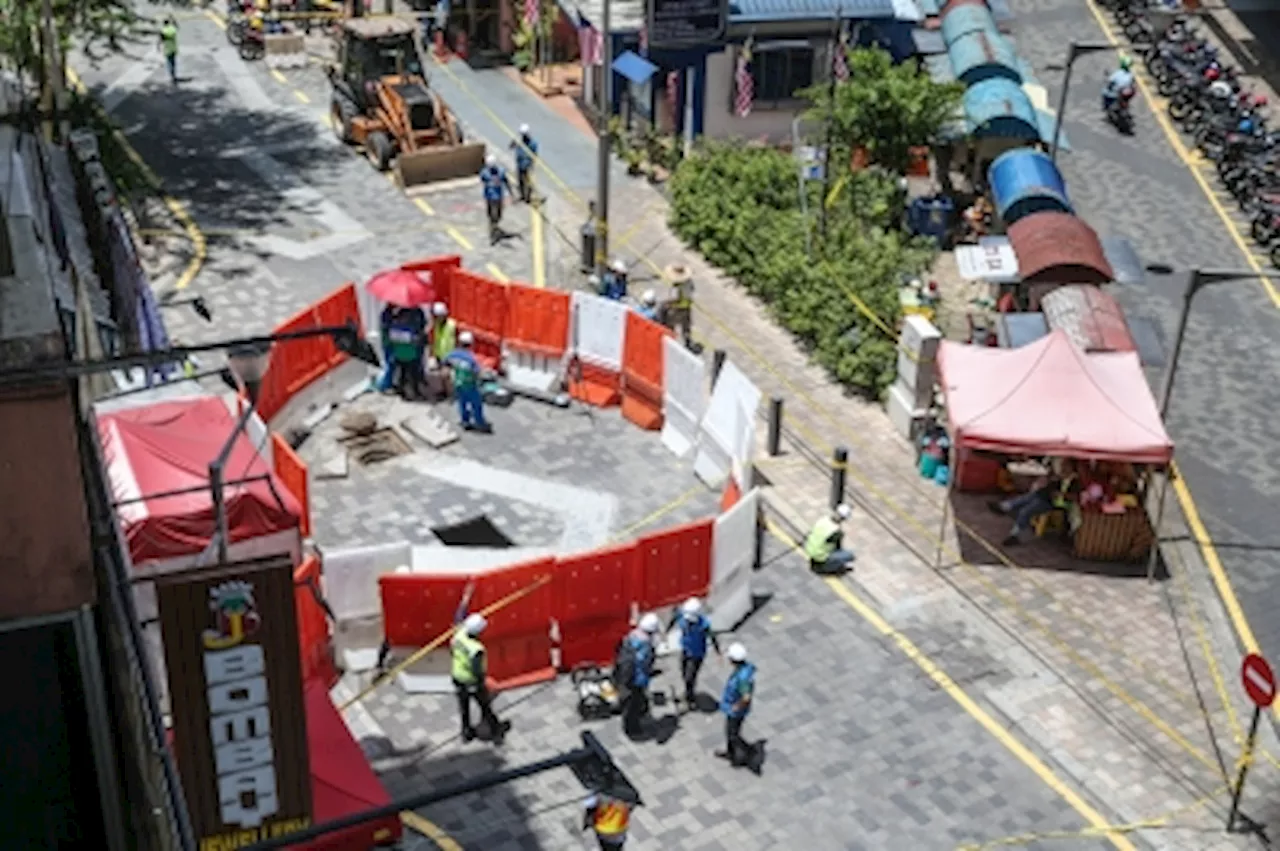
<point x="235" y="692"/>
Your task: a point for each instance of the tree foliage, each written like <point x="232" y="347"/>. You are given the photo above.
<point x="884" y="108"/>
<point x="96" y="27"/>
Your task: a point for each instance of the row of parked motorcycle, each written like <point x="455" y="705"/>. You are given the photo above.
<point x="248" y="21"/>
<point x="1208" y="101"/>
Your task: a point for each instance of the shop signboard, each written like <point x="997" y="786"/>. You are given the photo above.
<point x="673" y="24"/>
<point x="235" y="693"/>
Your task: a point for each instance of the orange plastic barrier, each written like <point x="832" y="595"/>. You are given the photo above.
<point x="297" y="363"/>
<point x="642" y="371"/>
<point x="594" y="593"/>
<point x="537" y="320"/>
<point x="518" y="639"/>
<point x="479" y="305"/>
<point x="441" y="270"/>
<point x="314" y="642"/>
<point x="732" y="493"/>
<point x="292" y="473"/>
<point x="416" y="607"/>
<point x="675" y="564"/>
<point x="594" y="385"/>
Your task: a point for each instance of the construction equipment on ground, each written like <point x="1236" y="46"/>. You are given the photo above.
<point x="381" y="101"/>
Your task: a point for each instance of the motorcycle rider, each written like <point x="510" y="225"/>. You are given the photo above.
<point x="1120" y="81"/>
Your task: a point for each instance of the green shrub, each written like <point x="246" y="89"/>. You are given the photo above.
<point x="740" y="207"/>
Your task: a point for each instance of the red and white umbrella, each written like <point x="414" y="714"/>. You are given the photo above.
<point x="402" y="287"/>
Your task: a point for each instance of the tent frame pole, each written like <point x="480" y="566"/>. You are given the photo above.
<point x="946" y="506"/>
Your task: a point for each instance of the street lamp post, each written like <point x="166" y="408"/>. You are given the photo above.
<point x="248" y="363"/>
<point x="1197" y="279"/>
<point x="1074" y="52"/>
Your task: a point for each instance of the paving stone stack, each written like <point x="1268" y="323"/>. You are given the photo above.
<point x="911" y="396"/>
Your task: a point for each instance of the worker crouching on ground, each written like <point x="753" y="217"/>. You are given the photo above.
<point x="493" y="180"/>
<point x="526" y="148"/>
<point x="442" y="339"/>
<point x="466" y="384"/>
<point x="633" y="673"/>
<point x="825" y="544"/>
<point x="648" y="307"/>
<point x="614" y="283"/>
<point x="468" y="672"/>
<point x="735" y="703"/>
<point x="407" y="337"/>
<point x="695" y="634"/>
<point x="609" y="816"/>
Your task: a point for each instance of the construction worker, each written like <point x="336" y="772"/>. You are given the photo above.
<point x="615" y="280"/>
<point x="387" y="378"/>
<point x="695" y="633"/>
<point x="526" y="149"/>
<point x="408" y="340"/>
<point x="169" y="46"/>
<point x="649" y="305"/>
<point x="636" y="657"/>
<point x="680" y="307"/>
<point x="443" y="339"/>
<point x="735" y="703"/>
<point x="466" y="383"/>
<point x="824" y="546"/>
<point x="493" y="179"/>
<point x="468" y="672"/>
<point x="609" y="815"/>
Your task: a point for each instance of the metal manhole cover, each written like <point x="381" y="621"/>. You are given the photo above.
<point x="380" y="445"/>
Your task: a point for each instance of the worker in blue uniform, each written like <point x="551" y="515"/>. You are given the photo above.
<point x="526" y="148"/>
<point x="735" y="703"/>
<point x="634" y="672"/>
<point x="493" y="179"/>
<point x="695" y="635"/>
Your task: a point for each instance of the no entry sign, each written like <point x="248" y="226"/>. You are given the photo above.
<point x="1259" y="681"/>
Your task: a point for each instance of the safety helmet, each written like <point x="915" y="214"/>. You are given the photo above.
<point x="440" y="309"/>
<point x="650" y="623"/>
<point x="475" y="624"/>
<point x="691" y="606"/>
<point x="737" y="652"/>
<point x="843" y="511"/>
<point x="524" y="129"/>
<point x="649" y="297"/>
<point x="1125" y="63"/>
<point x="618" y="266"/>
<point x="593" y="280"/>
<point x="466" y="338"/>
<point x="490" y="160"/>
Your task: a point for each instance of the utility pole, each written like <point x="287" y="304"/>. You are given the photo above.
<point x="606" y="108"/>
<point x="831" y="120"/>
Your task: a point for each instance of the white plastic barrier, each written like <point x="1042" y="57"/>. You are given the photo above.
<point x="727" y="435"/>
<point x="684" y="396"/>
<point x="733" y="556"/>
<point x="351" y="578"/>
<point x="537" y="373"/>
<point x="599" y="327"/>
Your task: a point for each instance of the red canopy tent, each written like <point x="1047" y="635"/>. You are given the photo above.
<point x="157" y="459"/>
<point x="1050" y="398"/>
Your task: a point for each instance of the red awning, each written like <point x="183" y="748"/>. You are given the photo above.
<point x="1054" y="247"/>
<point x="157" y="459"/>
<point x="1050" y="398"/>
<point x="1090" y="317"/>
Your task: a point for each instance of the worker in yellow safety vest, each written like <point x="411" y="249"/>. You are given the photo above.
<point x="468" y="672"/>
<point x="609" y="817"/>
<point x="825" y="544"/>
<point x="443" y="334"/>
<point x="679" y="309"/>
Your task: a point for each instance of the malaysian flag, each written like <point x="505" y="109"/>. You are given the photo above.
<point x="840" y="61"/>
<point x="590" y="43"/>
<point x="531" y="12"/>
<point x="673" y="96"/>
<point x="743" y="83"/>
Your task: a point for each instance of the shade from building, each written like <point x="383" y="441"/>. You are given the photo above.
<point x="999" y="108"/>
<point x="983" y="55"/>
<point x="1058" y="248"/>
<point x="1025" y="181"/>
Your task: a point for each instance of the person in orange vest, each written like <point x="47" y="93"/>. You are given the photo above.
<point x="608" y="816"/>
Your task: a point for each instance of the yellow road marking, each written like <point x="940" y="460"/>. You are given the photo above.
<point x="176" y="207"/>
<point x="280" y="78"/>
<point x="976" y="712"/>
<point x="498" y="274"/>
<point x="222" y="25"/>
<point x="460" y="239"/>
<point x="415" y="822"/>
<point x="424" y="207"/>
<point x="300" y="96"/>
<point x="539" y="248"/>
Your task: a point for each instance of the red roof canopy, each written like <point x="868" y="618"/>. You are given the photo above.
<point x="154" y="450"/>
<point x="1050" y="398"/>
<point x="1058" y="248"/>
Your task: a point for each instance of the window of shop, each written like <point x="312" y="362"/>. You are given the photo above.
<point x="779" y="70"/>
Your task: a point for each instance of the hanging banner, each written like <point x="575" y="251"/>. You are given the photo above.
<point x="684" y="396"/>
<point x="599" y="330"/>
<point x="235" y="691"/>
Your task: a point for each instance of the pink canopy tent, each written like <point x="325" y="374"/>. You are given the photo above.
<point x="1050" y="398"/>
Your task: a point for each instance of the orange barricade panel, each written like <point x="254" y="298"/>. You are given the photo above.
<point x="593" y="641"/>
<point x="315" y="647"/>
<point x="594" y="385"/>
<point x="519" y="660"/>
<point x="293" y="475"/>
<point x="297" y="363"/>
<point x="528" y="615"/>
<point x="601" y="583"/>
<point x="416" y="608"/>
<point x="642" y="371"/>
<point x="537" y="320"/>
<point x="732" y="493"/>
<point x="481" y="304"/>
<point x="441" y="269"/>
<point x="676" y="564"/>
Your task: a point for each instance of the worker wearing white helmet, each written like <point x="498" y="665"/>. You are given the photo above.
<point x="468" y="673"/>
<point x="443" y="339"/>
<point x="825" y="544"/>
<point x="615" y="280"/>
<point x="735" y="703"/>
<point x="633" y="672"/>
<point x="695" y="634"/>
<point x="649" y="305"/>
<point x="466" y="384"/>
<point x="493" y="179"/>
<point x="526" y="148"/>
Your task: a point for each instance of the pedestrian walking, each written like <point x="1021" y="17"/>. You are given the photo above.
<point x="466" y="384"/>
<point x="609" y="816"/>
<point x="695" y="634"/>
<point x="735" y="703"/>
<point x="634" y="671"/>
<point x="169" y="45"/>
<point x="825" y="544"/>
<point x="468" y="673"/>
<point x="526" y="148"/>
<point x="493" y="180"/>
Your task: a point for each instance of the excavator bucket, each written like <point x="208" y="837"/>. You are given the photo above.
<point x="435" y="163"/>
